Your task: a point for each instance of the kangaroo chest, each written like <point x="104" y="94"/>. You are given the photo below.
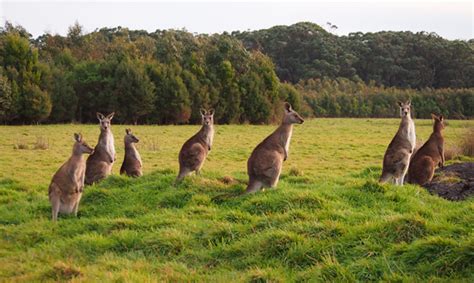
<point x="206" y="135"/>
<point x="410" y="134"/>
<point x="286" y="138"/>
<point x="76" y="173"/>
<point x="108" y="144"/>
<point x="210" y="137"/>
<point x="132" y="153"/>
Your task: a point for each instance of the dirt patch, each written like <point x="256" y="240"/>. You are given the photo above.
<point x="453" y="182"/>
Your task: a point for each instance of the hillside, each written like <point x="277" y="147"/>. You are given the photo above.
<point x="328" y="220"/>
<point x="165" y="76"/>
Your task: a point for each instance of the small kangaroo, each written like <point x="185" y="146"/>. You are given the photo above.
<point x="265" y="162"/>
<point x="423" y="163"/>
<point x="99" y="164"/>
<point x="66" y="187"/>
<point x="132" y="163"/>
<point x="400" y="149"/>
<point x="195" y="150"/>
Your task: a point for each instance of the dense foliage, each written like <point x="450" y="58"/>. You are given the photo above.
<point x="159" y="77"/>
<point x="399" y="59"/>
<point x="345" y="98"/>
<point x="166" y="76"/>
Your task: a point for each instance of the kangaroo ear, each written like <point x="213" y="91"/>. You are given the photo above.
<point x="441" y="118"/>
<point x="400" y="103"/>
<point x="77" y="137"/>
<point x="128" y="131"/>
<point x="408" y="102"/>
<point x="111" y="115"/>
<point x="211" y="111"/>
<point x="100" y="116"/>
<point x="434" y="117"/>
<point x="203" y="111"/>
<point x="288" y="107"/>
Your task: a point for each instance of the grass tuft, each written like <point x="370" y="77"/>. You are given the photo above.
<point x="20" y="145"/>
<point x="294" y="171"/>
<point x="63" y="272"/>
<point x="373" y="187"/>
<point x="42" y="143"/>
<point x="467" y="143"/>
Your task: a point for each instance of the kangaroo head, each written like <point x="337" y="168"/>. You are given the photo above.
<point x="104" y="121"/>
<point x="207" y="116"/>
<point x="291" y="116"/>
<point x="81" y="146"/>
<point x="405" y="108"/>
<point x="129" y="137"/>
<point x="438" y="122"/>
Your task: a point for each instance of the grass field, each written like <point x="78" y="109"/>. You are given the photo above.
<point x="328" y="220"/>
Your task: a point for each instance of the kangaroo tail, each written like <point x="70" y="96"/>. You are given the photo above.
<point x="384" y="178"/>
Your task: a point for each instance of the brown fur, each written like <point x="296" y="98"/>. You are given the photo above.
<point x="99" y="164"/>
<point x="66" y="187"/>
<point x="430" y="155"/>
<point x="195" y="150"/>
<point x="399" y="151"/>
<point x="265" y="162"/>
<point x="132" y="163"/>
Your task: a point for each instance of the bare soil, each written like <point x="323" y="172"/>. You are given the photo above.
<point x="454" y="182"/>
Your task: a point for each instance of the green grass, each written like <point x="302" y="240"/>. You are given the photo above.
<point x="328" y="220"/>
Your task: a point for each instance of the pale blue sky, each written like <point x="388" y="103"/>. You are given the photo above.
<point x="450" y="19"/>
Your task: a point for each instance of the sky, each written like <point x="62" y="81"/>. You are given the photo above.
<point x="449" y="19"/>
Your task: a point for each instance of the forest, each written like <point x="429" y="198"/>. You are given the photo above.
<point x="164" y="77"/>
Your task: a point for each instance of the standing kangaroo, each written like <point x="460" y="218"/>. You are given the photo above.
<point x="423" y="163"/>
<point x="400" y="149"/>
<point x="132" y="163"/>
<point x="99" y="164"/>
<point x="195" y="150"/>
<point x="66" y="187"/>
<point x="265" y="162"/>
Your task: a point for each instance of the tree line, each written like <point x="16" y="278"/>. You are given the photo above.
<point x="397" y="59"/>
<point x="345" y="98"/>
<point x="166" y="76"/>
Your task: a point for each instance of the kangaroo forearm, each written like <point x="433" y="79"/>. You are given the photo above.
<point x="111" y="157"/>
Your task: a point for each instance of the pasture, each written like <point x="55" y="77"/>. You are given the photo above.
<point x="328" y="219"/>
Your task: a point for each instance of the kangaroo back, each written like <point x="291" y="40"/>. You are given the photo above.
<point x="132" y="162"/>
<point x="265" y="162"/>
<point x="430" y="155"/>
<point x="67" y="184"/>
<point x="195" y="150"/>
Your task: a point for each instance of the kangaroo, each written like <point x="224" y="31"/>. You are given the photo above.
<point x="265" y="162"/>
<point x="195" y="150"/>
<point x="66" y="187"/>
<point x="99" y="164"/>
<point x="400" y="149"/>
<point x="132" y="163"/>
<point x="423" y="163"/>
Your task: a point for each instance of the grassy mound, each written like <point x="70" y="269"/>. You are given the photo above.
<point x="146" y="229"/>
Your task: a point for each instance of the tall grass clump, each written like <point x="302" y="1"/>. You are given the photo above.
<point x="467" y="143"/>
